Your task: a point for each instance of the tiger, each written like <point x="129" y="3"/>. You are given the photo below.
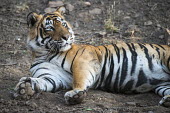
<point x="61" y="64"/>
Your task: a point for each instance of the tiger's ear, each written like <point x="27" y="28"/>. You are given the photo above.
<point x="32" y="18"/>
<point x="61" y="10"/>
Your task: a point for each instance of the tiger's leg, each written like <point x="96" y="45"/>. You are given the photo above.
<point x="164" y="91"/>
<point x="46" y="77"/>
<point x="82" y="80"/>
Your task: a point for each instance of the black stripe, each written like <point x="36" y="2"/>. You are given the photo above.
<point x="110" y="75"/>
<point x="157" y="49"/>
<point x="43" y="75"/>
<point x="163" y="93"/>
<point x="38" y="70"/>
<point x="61" y="84"/>
<point x="133" y="46"/>
<point x="157" y="92"/>
<point x="124" y="68"/>
<point x="45" y="87"/>
<point x="128" y="86"/>
<point x="73" y="61"/>
<point x="52" y="82"/>
<point x="43" y="40"/>
<point x="53" y="56"/>
<point x="36" y="40"/>
<point x="133" y="57"/>
<point x="35" y="64"/>
<point x="63" y="61"/>
<point x="104" y="67"/>
<point x="41" y="33"/>
<point x="117" y="51"/>
<point x="141" y="78"/>
<point x="92" y="76"/>
<point x="168" y="63"/>
<point x="96" y="83"/>
<point x="168" y="84"/>
<point x="161" y="46"/>
<point x="116" y="86"/>
<point x="147" y="56"/>
<point x="83" y="51"/>
<point x="151" y="46"/>
<point x="168" y="73"/>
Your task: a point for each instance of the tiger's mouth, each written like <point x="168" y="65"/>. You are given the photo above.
<point x="62" y="45"/>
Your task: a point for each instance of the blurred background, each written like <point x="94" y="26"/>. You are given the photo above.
<point x="94" y="22"/>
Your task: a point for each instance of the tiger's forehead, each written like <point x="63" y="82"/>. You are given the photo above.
<point x="55" y="17"/>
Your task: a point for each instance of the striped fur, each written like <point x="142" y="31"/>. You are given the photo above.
<point x="122" y="68"/>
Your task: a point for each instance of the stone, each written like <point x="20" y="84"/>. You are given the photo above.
<point x="161" y="36"/>
<point x="131" y="103"/>
<point x="76" y="24"/>
<point x="126" y="17"/>
<point x="69" y="7"/>
<point x="148" y="23"/>
<point x="158" y="25"/>
<point x="49" y="10"/>
<point x="87" y="3"/>
<point x="95" y="11"/>
<point x="55" y="4"/>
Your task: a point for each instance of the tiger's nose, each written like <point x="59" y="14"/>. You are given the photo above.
<point x="65" y="37"/>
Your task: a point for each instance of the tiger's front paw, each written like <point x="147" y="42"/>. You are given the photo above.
<point x="75" y="96"/>
<point x="24" y="89"/>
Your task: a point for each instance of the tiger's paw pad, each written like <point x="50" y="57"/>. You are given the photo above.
<point x="75" y="96"/>
<point x="23" y="89"/>
<point x="165" y="101"/>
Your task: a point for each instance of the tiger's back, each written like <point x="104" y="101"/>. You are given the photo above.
<point x="133" y="67"/>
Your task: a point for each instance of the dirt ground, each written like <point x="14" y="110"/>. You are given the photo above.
<point x="101" y="22"/>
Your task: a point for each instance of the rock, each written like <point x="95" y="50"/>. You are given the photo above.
<point x="34" y="105"/>
<point x="148" y="23"/>
<point x="161" y="36"/>
<point x="76" y="24"/>
<point x="69" y="7"/>
<point x="158" y="25"/>
<point x="87" y="3"/>
<point x="55" y="4"/>
<point x="131" y="103"/>
<point x="126" y="17"/>
<point x="31" y="104"/>
<point x="49" y="10"/>
<point x="95" y="11"/>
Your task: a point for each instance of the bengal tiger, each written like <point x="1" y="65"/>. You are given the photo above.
<point x="60" y="64"/>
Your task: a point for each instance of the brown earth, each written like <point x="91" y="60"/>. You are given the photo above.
<point x="114" y="21"/>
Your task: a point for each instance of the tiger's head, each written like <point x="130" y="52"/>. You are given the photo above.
<point x="49" y="31"/>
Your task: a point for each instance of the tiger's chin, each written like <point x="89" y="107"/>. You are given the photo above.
<point x="65" y="47"/>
